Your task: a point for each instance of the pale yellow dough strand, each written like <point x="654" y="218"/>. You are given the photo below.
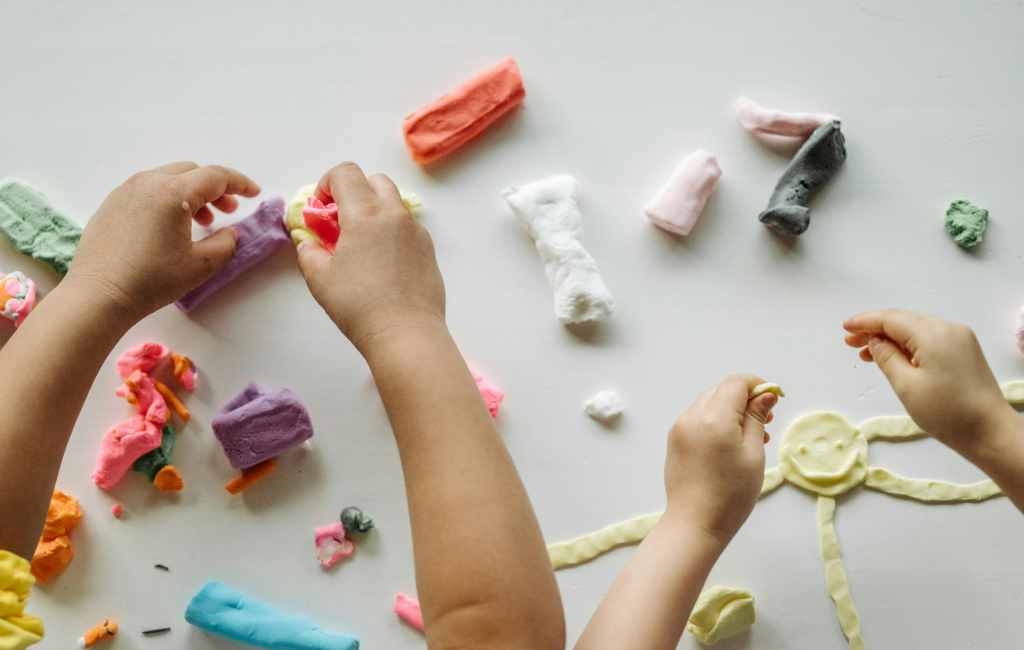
<point x="772" y="479"/>
<point x="890" y="426"/>
<point x="721" y="612"/>
<point x="835" y="574"/>
<point x="1013" y="391"/>
<point x="590" y="546"/>
<point x="767" y="387"/>
<point x="925" y="490"/>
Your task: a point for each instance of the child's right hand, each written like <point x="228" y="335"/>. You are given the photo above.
<point x="939" y="372"/>
<point x="715" y="464"/>
<point x="383" y="276"/>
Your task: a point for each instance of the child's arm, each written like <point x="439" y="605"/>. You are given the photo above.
<point x="482" y="570"/>
<point x="713" y="475"/>
<point x="940" y="374"/>
<point x="136" y="255"/>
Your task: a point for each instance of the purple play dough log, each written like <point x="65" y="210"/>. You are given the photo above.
<point x="259" y="235"/>
<point x="261" y="423"/>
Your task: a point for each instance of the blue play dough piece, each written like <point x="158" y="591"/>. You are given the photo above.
<point x="220" y="609"/>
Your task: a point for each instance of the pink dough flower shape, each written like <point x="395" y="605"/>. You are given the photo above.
<point x="144" y="357"/>
<point x="323" y="221"/>
<point x="331" y="544"/>
<point x="19" y="296"/>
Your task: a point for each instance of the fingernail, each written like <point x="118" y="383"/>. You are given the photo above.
<point x="873" y="344"/>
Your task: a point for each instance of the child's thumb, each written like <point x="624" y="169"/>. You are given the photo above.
<point x="889" y="357"/>
<point x="756" y="415"/>
<point x="214" y="252"/>
<point x="313" y="260"/>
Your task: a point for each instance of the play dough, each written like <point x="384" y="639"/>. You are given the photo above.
<point x="824" y="453"/>
<point x="355" y="520"/>
<point x="184" y="371"/>
<point x="966" y="222"/>
<point x="260" y="423"/>
<point x="153" y="461"/>
<point x="462" y="114"/>
<point x="409" y="609"/>
<point x="144" y="357"/>
<point x="756" y="119"/>
<point x="678" y="204"/>
<point x="250" y="476"/>
<point x="1018" y="330"/>
<point x="35" y="227"/>
<point x="719" y="613"/>
<point x="549" y="214"/>
<point x="766" y="387"/>
<point x="322" y="221"/>
<point x="105" y="630"/>
<point x="492" y="394"/>
<point x="259" y="235"/>
<point x="835" y="574"/>
<point x="605" y="406"/>
<point x="813" y="165"/>
<point x="293" y="215"/>
<point x="586" y="548"/>
<point x="17" y="297"/>
<point x="331" y="544"/>
<point x="53" y="552"/>
<point x="219" y="609"/>
<point x="122" y="445"/>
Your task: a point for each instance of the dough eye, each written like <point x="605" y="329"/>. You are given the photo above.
<point x="839" y="445"/>
<point x="803" y="449"/>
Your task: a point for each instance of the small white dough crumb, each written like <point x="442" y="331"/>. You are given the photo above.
<point x="604" y="407"/>
<point x="766" y="387"/>
<point x="547" y="211"/>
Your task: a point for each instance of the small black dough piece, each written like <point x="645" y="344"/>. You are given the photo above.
<point x="156" y="631"/>
<point x="354" y="521"/>
<point x="816" y="162"/>
<point x="161" y="567"/>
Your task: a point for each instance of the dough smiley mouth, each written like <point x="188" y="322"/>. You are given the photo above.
<point x="812" y="475"/>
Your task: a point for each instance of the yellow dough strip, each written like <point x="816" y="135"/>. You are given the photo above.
<point x="835" y="574"/>
<point x="925" y="490"/>
<point x="1013" y="391"/>
<point x="890" y="426"/>
<point x="588" y="547"/>
<point x="772" y="479"/>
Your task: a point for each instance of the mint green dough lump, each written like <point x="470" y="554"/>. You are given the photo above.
<point x="35" y="227"/>
<point x="965" y="222"/>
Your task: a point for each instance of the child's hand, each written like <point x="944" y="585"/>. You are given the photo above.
<point x="383" y="276"/>
<point x="137" y="250"/>
<point x="715" y="464"/>
<point x="938" y="371"/>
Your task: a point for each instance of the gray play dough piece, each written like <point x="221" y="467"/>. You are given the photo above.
<point x="35" y="227"/>
<point x="966" y="222"/>
<point x="815" y="163"/>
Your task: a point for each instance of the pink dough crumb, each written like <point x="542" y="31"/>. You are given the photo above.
<point x="331" y="544"/>
<point x="409" y="609"/>
<point x="117" y="510"/>
<point x="492" y="394"/>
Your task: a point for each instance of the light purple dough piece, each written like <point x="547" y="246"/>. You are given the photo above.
<point x="260" y="423"/>
<point x="259" y="235"/>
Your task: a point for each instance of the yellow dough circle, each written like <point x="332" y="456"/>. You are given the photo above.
<point x="824" y="453"/>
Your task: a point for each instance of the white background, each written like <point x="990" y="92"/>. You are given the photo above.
<point x="617" y="93"/>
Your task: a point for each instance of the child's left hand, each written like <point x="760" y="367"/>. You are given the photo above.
<point x="137" y="250"/>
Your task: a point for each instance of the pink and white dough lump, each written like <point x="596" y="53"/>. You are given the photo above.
<point x="332" y="545"/>
<point x="757" y="119"/>
<point x="678" y="204"/>
<point x="17" y="296"/>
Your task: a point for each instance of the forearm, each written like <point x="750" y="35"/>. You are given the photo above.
<point x="47" y="368"/>
<point x="482" y="570"/>
<point x="1001" y="456"/>
<point x="651" y="600"/>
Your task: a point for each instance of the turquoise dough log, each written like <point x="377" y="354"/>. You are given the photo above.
<point x="35" y="227"/>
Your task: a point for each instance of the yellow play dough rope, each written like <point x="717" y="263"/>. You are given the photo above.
<point x="890" y="426"/>
<point x="925" y="490"/>
<point x="772" y="479"/>
<point x="590" y="546"/>
<point x="835" y="574"/>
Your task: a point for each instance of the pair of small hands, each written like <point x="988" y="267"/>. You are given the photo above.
<point x="137" y="255"/>
<point x="715" y="463"/>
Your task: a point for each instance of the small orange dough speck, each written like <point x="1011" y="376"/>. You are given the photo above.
<point x="168" y="479"/>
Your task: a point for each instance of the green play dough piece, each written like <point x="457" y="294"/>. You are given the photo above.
<point x="150" y="463"/>
<point x="35" y="227"/>
<point x="965" y="222"/>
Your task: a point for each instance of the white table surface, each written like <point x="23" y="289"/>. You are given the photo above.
<point x="617" y="93"/>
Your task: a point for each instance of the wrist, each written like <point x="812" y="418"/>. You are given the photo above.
<point x="403" y="331"/>
<point x="996" y="439"/>
<point x="83" y="293"/>
<point x="678" y="526"/>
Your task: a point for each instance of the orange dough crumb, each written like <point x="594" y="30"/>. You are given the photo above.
<point x="104" y="630"/>
<point x="460" y="116"/>
<point x="251" y="475"/>
<point x="168" y="479"/>
<point x="54" y="549"/>
<point x="173" y="400"/>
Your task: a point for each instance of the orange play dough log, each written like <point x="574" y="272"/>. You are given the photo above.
<point x="251" y="475"/>
<point x="104" y="630"/>
<point x="446" y="124"/>
<point x="168" y="479"/>
<point x="54" y="549"/>
<point x="173" y="400"/>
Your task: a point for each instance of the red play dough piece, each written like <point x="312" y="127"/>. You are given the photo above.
<point x="444" y="125"/>
<point x="323" y="221"/>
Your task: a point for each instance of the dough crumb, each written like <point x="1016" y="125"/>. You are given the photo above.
<point x="604" y="407"/>
<point x="767" y="387"/>
<point x="966" y="222"/>
<point x="721" y="612"/>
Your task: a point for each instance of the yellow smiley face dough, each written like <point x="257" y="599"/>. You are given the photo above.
<point x="824" y="453"/>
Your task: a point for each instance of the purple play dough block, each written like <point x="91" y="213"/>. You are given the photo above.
<point x="261" y="423"/>
<point x="259" y="235"/>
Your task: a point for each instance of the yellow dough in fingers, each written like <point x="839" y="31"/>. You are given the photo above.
<point x="721" y="612"/>
<point x="766" y="387"/>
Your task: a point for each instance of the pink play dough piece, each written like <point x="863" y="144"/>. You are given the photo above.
<point x="331" y="544"/>
<point x="757" y="119"/>
<point x="1018" y="332"/>
<point x="678" y="204"/>
<point x="116" y="510"/>
<point x="492" y="394"/>
<point x="144" y="358"/>
<point x="323" y="221"/>
<point x="409" y="609"/>
<point x="122" y="445"/>
<point x="18" y="297"/>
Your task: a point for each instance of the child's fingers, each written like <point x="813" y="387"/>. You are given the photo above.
<point x="226" y="203"/>
<point x="384" y="188"/>
<point x="735" y="390"/>
<point x="890" y="358"/>
<point x="314" y="260"/>
<point x="345" y="185"/>
<point x="211" y="182"/>
<point x="203" y="216"/>
<point x="212" y="253"/>
<point x="898" y="325"/>
<point x="756" y="416"/>
<point x="858" y="340"/>
<point x="175" y="168"/>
